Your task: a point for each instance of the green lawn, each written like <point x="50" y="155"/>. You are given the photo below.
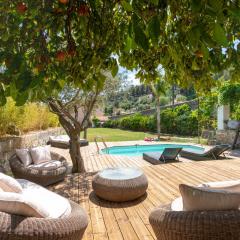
<point x="115" y="135"/>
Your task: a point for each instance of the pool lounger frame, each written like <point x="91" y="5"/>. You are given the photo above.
<point x="168" y="155"/>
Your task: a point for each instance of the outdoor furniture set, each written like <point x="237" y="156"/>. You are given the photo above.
<point x="29" y="211"/>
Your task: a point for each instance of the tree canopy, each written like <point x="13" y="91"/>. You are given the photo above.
<point x="45" y="44"/>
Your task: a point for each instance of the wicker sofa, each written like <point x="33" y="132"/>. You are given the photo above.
<point x="39" y="176"/>
<point x="195" y="225"/>
<point x="15" y="227"/>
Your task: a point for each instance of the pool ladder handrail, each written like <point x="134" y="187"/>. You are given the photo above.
<point x="103" y="141"/>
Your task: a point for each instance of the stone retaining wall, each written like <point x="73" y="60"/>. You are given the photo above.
<point x="10" y="143"/>
<point x="226" y="136"/>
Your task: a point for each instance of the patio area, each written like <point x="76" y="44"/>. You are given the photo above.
<point x="129" y="221"/>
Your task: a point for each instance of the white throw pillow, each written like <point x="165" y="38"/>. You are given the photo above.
<point x="24" y="156"/>
<point x="40" y="154"/>
<point x="231" y="186"/>
<point x="196" y="198"/>
<point x="9" y="184"/>
<point x="45" y="202"/>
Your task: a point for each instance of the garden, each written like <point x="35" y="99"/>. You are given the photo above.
<point x="119" y="70"/>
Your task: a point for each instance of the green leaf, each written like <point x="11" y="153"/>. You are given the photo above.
<point x="3" y="99"/>
<point x="61" y="83"/>
<point x="196" y="5"/>
<point x="13" y="90"/>
<point x="235" y="12"/>
<point x="130" y="29"/>
<point x="155" y="2"/>
<point x="219" y="35"/>
<point x="21" y="98"/>
<point x="193" y="36"/>
<point x="205" y="51"/>
<point x="24" y="81"/>
<point x="154" y="29"/>
<point x="139" y="35"/>
<point x="127" y="6"/>
<point x="128" y="44"/>
<point x="216" y="5"/>
<point x="114" y="69"/>
<point x="16" y="62"/>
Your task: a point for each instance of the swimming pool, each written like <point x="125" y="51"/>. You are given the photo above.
<point x="138" y="150"/>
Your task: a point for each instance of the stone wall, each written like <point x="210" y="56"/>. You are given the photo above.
<point x="226" y="136"/>
<point x="10" y="143"/>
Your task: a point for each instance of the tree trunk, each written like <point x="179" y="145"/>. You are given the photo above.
<point x="75" y="153"/>
<point x="72" y="129"/>
<point x="173" y="94"/>
<point x="158" y="117"/>
<point x="85" y="133"/>
<point x="72" y="125"/>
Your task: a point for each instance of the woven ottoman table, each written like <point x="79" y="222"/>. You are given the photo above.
<point x="120" y="184"/>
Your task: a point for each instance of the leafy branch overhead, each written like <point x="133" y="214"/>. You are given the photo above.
<point x="46" y="44"/>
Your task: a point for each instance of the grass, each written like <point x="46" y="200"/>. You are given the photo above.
<point x="117" y="135"/>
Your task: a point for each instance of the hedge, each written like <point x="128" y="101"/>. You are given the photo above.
<point x="180" y="120"/>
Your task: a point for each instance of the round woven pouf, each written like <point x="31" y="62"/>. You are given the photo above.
<point x="120" y="184"/>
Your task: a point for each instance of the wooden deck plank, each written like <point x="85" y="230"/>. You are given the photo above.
<point x="129" y="221"/>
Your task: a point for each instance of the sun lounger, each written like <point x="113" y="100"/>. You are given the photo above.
<point x="62" y="141"/>
<point x="168" y="155"/>
<point x="213" y="153"/>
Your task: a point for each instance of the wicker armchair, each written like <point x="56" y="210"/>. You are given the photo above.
<point x="42" y="177"/>
<point x="15" y="227"/>
<point x="195" y="225"/>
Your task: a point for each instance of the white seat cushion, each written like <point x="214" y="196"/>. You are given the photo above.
<point x="40" y="154"/>
<point x="196" y="198"/>
<point x="59" y="139"/>
<point x="16" y="203"/>
<point x="51" y="165"/>
<point x="9" y="184"/>
<point x="177" y="204"/>
<point x="63" y="139"/>
<point x="24" y="155"/>
<point x="34" y="201"/>
<point x="231" y="186"/>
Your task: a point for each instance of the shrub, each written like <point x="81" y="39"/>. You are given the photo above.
<point x="164" y="100"/>
<point x="96" y="122"/>
<point x="180" y="120"/>
<point x="31" y="116"/>
<point x="168" y="121"/>
<point x="181" y="98"/>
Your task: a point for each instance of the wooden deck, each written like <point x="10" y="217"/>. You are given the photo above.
<point x="129" y="221"/>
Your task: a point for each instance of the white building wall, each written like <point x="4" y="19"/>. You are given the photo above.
<point x="223" y="114"/>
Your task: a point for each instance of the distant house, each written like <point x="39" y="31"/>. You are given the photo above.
<point x="99" y="114"/>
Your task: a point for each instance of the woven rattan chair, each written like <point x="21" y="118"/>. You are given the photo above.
<point x="42" y="177"/>
<point x="15" y="227"/>
<point x="195" y="225"/>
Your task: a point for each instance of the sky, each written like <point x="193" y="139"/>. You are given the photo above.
<point x="130" y="74"/>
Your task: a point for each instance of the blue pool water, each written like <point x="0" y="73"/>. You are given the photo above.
<point x="138" y="150"/>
